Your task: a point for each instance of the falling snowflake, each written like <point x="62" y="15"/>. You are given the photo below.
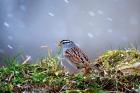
<point x="66" y="1"/>
<point x="6" y="25"/>
<point x="90" y="35"/>
<point x="10" y="47"/>
<point x="28" y="57"/>
<point x="91" y="13"/>
<point x="50" y="14"/>
<point x="100" y="12"/>
<point x="109" y="19"/>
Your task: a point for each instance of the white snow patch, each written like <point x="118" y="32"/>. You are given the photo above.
<point x="51" y="14"/>
<point x="10" y="47"/>
<point x="6" y="25"/>
<point x="91" y="13"/>
<point x="66" y="1"/>
<point x="90" y="35"/>
<point x="100" y="12"/>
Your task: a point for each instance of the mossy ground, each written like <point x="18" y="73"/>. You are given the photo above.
<point x="107" y="75"/>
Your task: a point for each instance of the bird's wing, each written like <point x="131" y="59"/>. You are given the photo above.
<point x="76" y="55"/>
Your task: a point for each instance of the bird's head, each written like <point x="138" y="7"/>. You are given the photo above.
<point x="65" y="43"/>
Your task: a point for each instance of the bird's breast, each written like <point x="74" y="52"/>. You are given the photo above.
<point x="68" y="65"/>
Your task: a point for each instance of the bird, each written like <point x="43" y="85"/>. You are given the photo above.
<point x="73" y="59"/>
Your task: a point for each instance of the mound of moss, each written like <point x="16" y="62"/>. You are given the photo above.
<point x="107" y="75"/>
<point x="126" y="61"/>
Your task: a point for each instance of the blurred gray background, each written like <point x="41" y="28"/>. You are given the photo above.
<point x="95" y="25"/>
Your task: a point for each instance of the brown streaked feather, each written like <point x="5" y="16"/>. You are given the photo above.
<point x="76" y="55"/>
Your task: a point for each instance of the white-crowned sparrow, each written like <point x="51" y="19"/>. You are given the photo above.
<point x="73" y="59"/>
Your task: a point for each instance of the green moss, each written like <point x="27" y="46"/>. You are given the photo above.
<point x="116" y="58"/>
<point x="49" y="75"/>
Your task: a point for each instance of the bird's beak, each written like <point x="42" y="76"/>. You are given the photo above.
<point x="58" y="44"/>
